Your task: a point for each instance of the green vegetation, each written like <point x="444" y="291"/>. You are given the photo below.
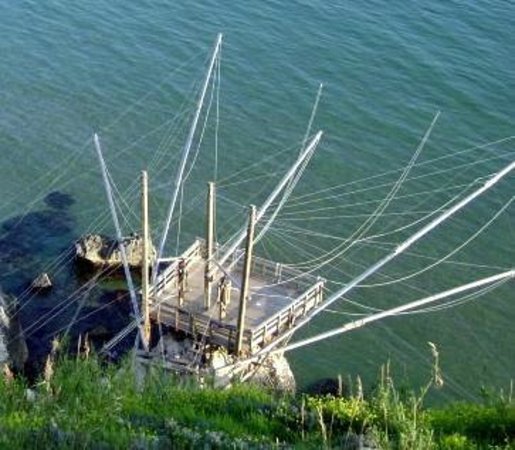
<point x="81" y="403"/>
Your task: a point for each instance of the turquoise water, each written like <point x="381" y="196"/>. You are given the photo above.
<point x="131" y="72"/>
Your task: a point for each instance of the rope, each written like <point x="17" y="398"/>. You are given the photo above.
<point x="330" y="254"/>
<point x="451" y="253"/>
<point x="449" y="154"/>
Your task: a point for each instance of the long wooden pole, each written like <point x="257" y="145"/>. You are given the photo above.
<point x="119" y="237"/>
<point x="186" y="151"/>
<point x="210" y="232"/>
<point x="293" y="181"/>
<point x="245" y="279"/>
<point x="284" y="181"/>
<point x="397" y="310"/>
<point x="145" y="256"/>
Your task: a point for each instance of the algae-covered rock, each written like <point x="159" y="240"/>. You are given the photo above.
<point x="100" y="251"/>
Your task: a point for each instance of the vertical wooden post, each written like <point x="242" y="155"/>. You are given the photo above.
<point x="145" y="259"/>
<point x="210" y="232"/>
<point x="245" y="279"/>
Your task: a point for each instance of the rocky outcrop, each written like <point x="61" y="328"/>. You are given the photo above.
<point x="17" y="346"/>
<point x="41" y="283"/>
<point x="100" y="251"/>
<point x="273" y="373"/>
<point x="13" y="348"/>
<point x="186" y="356"/>
<point x="4" y="325"/>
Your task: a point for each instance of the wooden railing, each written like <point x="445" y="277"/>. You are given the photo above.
<point x="191" y="253"/>
<point x="275" y="272"/>
<point x="199" y="325"/>
<point x="224" y="334"/>
<point x="286" y="317"/>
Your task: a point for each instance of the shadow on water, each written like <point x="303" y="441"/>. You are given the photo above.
<point x="42" y="241"/>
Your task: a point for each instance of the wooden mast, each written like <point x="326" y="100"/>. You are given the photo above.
<point x="145" y="256"/>
<point x="210" y="232"/>
<point x="245" y="279"/>
<point x="185" y="154"/>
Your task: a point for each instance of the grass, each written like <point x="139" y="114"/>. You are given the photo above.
<point x="84" y="404"/>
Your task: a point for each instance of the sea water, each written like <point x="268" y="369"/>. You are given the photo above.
<point x="132" y="71"/>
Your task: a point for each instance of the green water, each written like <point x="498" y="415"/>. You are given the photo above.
<point x="127" y="70"/>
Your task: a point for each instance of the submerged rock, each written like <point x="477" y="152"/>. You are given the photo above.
<point x="100" y="251"/>
<point x="59" y="200"/>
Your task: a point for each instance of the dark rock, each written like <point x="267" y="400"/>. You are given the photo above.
<point x="100" y="332"/>
<point x="59" y="200"/>
<point x="327" y="386"/>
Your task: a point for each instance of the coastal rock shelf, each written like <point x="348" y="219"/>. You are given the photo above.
<point x="185" y="355"/>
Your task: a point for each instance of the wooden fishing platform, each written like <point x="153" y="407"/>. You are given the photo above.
<point x="266" y="301"/>
<point x="219" y="296"/>
<point x="278" y="297"/>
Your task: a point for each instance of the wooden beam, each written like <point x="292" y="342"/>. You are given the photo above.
<point x="245" y="279"/>
<point x="145" y="257"/>
<point x="210" y="232"/>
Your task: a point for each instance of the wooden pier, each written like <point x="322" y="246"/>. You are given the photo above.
<point x="278" y="297"/>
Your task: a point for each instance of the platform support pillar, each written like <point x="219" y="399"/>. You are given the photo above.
<point x="245" y="279"/>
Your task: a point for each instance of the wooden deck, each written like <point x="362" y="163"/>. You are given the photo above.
<point x="278" y="297"/>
